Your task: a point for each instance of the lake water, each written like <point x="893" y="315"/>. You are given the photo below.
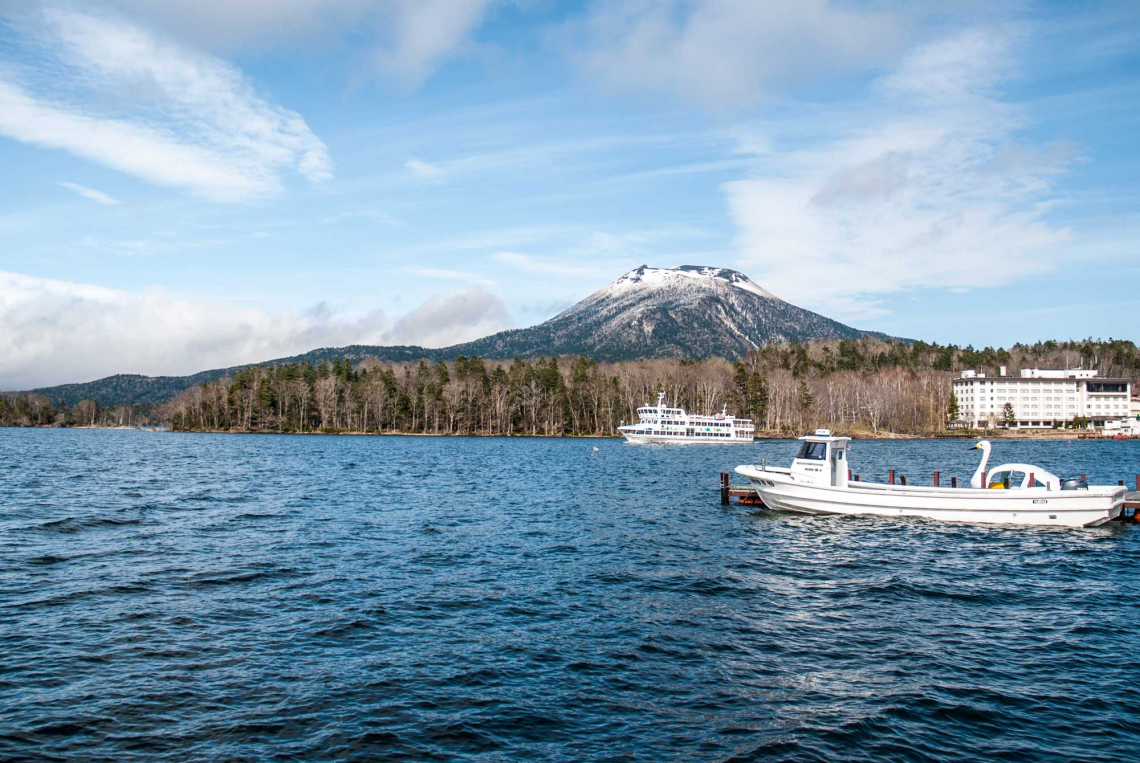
<point x="226" y="597"/>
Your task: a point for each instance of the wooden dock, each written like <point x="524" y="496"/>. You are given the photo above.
<point x="744" y="494"/>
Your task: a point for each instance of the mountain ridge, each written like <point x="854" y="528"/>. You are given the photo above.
<point x="684" y="312"/>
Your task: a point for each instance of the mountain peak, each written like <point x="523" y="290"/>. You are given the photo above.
<point x="683" y="275"/>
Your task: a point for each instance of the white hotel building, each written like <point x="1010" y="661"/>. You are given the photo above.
<point x="1041" y="396"/>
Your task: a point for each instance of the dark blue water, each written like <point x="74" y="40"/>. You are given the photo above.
<point x="215" y="597"/>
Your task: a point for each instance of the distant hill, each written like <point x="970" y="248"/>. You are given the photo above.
<point x="684" y="312"/>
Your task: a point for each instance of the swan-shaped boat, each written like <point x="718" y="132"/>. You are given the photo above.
<point x="818" y="483"/>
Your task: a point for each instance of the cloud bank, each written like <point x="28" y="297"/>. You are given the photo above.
<point x="55" y="332"/>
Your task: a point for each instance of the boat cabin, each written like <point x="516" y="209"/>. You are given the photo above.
<point x="822" y="460"/>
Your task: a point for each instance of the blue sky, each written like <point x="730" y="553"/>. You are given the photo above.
<point x="193" y="185"/>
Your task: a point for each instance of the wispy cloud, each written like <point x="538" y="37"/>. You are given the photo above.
<point x="918" y="194"/>
<point x="375" y="215"/>
<point x="449" y="275"/>
<point x="547" y="266"/>
<point x="91" y="193"/>
<point x="117" y="94"/>
<point x="158" y="243"/>
<point x="424" y="172"/>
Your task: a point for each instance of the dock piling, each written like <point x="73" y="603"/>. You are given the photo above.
<point x="935" y="479"/>
<point x="724" y="478"/>
<point x="903" y="478"/>
<point x="1032" y="480"/>
<point x="953" y="482"/>
<point x="891" y="472"/>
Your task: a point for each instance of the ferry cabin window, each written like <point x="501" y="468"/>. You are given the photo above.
<point x="814" y="451"/>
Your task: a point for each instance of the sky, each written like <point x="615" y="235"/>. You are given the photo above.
<point x="194" y="185"/>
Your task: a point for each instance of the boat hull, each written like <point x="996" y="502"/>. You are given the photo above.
<point x="1033" y="506"/>
<point x="656" y="440"/>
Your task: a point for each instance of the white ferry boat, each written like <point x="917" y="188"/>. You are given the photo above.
<point x="660" y="424"/>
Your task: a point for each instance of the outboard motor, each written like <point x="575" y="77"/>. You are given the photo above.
<point x="1074" y="483"/>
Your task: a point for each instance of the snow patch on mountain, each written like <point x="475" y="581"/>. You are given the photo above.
<point x="646" y="277"/>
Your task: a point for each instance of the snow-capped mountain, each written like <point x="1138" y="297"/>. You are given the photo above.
<point x="684" y="312"/>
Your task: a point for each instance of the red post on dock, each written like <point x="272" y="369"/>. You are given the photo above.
<point x="953" y="482"/>
<point x="903" y="479"/>
<point x="1138" y="483"/>
<point x="848" y="474"/>
<point x="724" y="477"/>
<point x="856" y="477"/>
<point x="1032" y="481"/>
<point x="892" y="473"/>
<point x="936" y="479"/>
<point x="1083" y="477"/>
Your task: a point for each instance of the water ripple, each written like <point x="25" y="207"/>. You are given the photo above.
<point x="328" y="598"/>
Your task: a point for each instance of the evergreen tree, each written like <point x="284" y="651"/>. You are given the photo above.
<point x="807" y="399"/>
<point x="758" y="398"/>
<point x="1008" y="417"/>
<point x="952" y="410"/>
<point x="741" y="382"/>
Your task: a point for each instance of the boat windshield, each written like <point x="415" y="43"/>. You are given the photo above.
<point x="814" y="451"/>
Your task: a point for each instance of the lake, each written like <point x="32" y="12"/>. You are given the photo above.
<point x="245" y="597"/>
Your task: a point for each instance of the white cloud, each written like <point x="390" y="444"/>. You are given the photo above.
<point x="452" y="318"/>
<point x="117" y="94"/>
<point x="54" y="332"/>
<point x="91" y="193"/>
<point x="921" y="194"/>
<point x="424" y="172"/>
<point x="727" y="53"/>
<point x="424" y="31"/>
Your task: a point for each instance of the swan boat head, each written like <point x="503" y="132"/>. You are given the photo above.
<point x="979" y="478"/>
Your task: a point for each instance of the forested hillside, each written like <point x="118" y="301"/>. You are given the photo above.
<point x="852" y="385"/>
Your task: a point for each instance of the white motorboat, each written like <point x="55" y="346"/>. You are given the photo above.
<point x="672" y="426"/>
<point x="819" y="482"/>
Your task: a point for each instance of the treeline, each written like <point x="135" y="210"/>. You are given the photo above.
<point x="32" y="410"/>
<point x="851" y="385"/>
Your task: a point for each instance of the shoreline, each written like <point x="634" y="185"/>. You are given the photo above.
<point x="1046" y="435"/>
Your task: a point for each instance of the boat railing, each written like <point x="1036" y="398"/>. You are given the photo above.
<point x="1042" y="489"/>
